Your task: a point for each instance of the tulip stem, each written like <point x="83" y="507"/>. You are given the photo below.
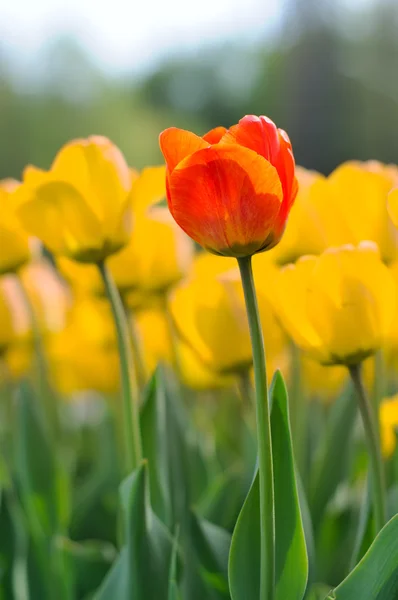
<point x="266" y="479"/>
<point x="136" y="346"/>
<point x="372" y="436"/>
<point x="130" y="392"/>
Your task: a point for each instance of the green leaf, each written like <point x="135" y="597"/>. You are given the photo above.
<point x="331" y="464"/>
<point x="35" y="465"/>
<point x="7" y="548"/>
<point x="155" y="440"/>
<point x="174" y="593"/>
<point x="212" y="547"/>
<point x="376" y="576"/>
<point x="291" y="561"/>
<point x="221" y="500"/>
<point x="90" y="561"/>
<point x="318" y="592"/>
<point x="244" y="556"/>
<point x="142" y="568"/>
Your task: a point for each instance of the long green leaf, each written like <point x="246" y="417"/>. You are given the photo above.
<point x="244" y="556"/>
<point x="142" y="568"/>
<point x="376" y="576"/>
<point x="212" y="547"/>
<point x="331" y="464"/>
<point x="291" y="561"/>
<point x="291" y="555"/>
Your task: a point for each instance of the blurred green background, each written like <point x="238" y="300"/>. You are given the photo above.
<point x="325" y="71"/>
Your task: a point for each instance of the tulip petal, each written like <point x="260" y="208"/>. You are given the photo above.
<point x="60" y="217"/>
<point x="351" y="301"/>
<point x="148" y="188"/>
<point x="226" y="198"/>
<point x="294" y="315"/>
<point x="214" y="135"/>
<point x="97" y="169"/>
<point x="176" y="144"/>
<point x="393" y="206"/>
<point x="262" y="135"/>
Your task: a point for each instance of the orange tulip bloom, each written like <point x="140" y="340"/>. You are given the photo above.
<point x="231" y="190"/>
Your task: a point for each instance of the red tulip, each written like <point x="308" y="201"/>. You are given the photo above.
<point x="231" y="190"/>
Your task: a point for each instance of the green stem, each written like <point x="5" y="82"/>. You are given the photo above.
<point x="266" y="479"/>
<point x="372" y="436"/>
<point x="132" y="432"/>
<point x="137" y="348"/>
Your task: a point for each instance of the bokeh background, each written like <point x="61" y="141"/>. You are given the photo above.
<point x="324" y="70"/>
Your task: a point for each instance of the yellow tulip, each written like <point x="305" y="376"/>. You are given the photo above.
<point x="50" y="302"/>
<point x="307" y="229"/>
<point x="211" y="265"/>
<point x="196" y="375"/>
<point x="158" y="255"/>
<point x="322" y="382"/>
<point x="339" y="306"/>
<point x="210" y="317"/>
<point x="357" y="197"/>
<point x="154" y="337"/>
<point x="388" y="425"/>
<point x="83" y="356"/>
<point x="15" y="250"/>
<point x="81" y="208"/>
<point x="84" y="279"/>
<point x="393" y="205"/>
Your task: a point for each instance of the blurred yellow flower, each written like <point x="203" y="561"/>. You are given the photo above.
<point x="47" y="293"/>
<point x="211" y="265"/>
<point x="81" y="208"/>
<point x="14" y="242"/>
<point x="196" y="375"/>
<point x="209" y="314"/>
<point x="307" y="227"/>
<point x="50" y="302"/>
<point x="82" y="278"/>
<point x="393" y="205"/>
<point x="83" y="356"/>
<point x="154" y="338"/>
<point x="357" y="196"/>
<point x="210" y="317"/>
<point x="339" y="306"/>
<point x="322" y="382"/>
<point x="388" y="425"/>
<point x="158" y="253"/>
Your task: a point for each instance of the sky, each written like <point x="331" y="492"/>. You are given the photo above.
<point x="131" y="34"/>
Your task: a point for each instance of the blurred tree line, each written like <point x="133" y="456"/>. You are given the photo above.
<point x="329" y="77"/>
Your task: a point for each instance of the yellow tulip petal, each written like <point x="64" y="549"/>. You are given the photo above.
<point x="359" y="200"/>
<point x="158" y="256"/>
<point x="393" y="206"/>
<point x="60" y="217"/>
<point x="351" y="301"/>
<point x="149" y="188"/>
<point x="290" y="301"/>
<point x="198" y="376"/>
<point x="211" y="265"/>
